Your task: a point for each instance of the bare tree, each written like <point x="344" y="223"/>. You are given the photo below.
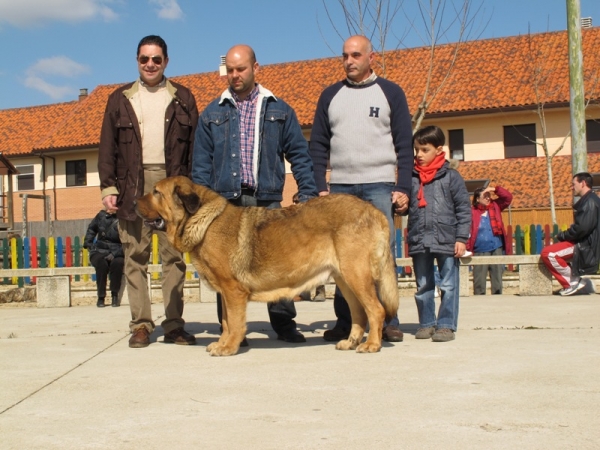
<point x="439" y="21"/>
<point x="541" y="81"/>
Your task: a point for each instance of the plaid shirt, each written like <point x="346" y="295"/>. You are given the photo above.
<point x="247" y="113"/>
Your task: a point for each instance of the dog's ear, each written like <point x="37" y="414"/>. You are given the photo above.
<point x="189" y="199"/>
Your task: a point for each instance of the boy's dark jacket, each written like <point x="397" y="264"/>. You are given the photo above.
<point x="447" y="217"/>
<point x="585" y="233"/>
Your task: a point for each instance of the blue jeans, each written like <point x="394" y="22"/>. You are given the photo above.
<point x="380" y="196"/>
<point x="449" y="287"/>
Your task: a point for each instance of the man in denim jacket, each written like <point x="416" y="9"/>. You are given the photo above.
<point x="240" y="145"/>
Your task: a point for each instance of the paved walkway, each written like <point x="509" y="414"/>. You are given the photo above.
<point x="524" y="372"/>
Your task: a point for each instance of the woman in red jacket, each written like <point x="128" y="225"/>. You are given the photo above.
<point x="488" y="235"/>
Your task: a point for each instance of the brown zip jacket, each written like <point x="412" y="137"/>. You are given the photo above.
<point x="120" y="164"/>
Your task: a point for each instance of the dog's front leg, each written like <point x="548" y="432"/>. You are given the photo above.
<point x="234" y="327"/>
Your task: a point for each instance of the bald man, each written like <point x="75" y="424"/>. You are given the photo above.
<point x="362" y="128"/>
<point x="236" y="153"/>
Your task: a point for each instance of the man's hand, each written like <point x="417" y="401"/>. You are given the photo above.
<point x="400" y="202"/>
<point x="323" y="193"/>
<point x="459" y="249"/>
<point x="110" y="202"/>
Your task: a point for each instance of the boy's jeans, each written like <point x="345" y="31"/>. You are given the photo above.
<point x="449" y="287"/>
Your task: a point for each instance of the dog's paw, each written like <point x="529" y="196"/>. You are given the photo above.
<point x="211" y="346"/>
<point x="348" y="344"/>
<point x="221" y="350"/>
<point x="368" y="347"/>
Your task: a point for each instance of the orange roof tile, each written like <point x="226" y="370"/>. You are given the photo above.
<point x="527" y="179"/>
<point x="22" y="128"/>
<point x="489" y="75"/>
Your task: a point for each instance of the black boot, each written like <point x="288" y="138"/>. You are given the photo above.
<point x="100" y="303"/>
<point x="115" y="301"/>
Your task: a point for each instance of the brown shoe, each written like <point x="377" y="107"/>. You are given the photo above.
<point x="140" y="338"/>
<point x="180" y="337"/>
<point x="425" y="333"/>
<point x="392" y="334"/>
<point x="443" y="335"/>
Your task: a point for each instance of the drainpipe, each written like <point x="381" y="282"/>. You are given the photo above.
<point x="42" y="157"/>
<point x="54" y="184"/>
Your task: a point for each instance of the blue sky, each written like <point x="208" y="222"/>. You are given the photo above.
<point x="54" y="47"/>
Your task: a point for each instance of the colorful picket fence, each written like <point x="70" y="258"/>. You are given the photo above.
<point x="524" y="241"/>
<point x="69" y="252"/>
<point x="18" y="253"/>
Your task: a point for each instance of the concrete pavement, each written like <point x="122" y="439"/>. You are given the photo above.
<point x="523" y="372"/>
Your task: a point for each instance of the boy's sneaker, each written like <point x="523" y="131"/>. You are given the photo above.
<point x="443" y="335"/>
<point x="574" y="288"/>
<point x="425" y="333"/>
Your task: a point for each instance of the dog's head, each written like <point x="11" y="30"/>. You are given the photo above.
<point x="173" y="207"/>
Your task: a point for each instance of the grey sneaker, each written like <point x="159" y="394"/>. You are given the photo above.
<point x="425" y="333"/>
<point x="579" y="287"/>
<point x="443" y="335"/>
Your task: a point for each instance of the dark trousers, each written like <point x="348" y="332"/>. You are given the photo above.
<point x="282" y="313"/>
<point x="103" y="269"/>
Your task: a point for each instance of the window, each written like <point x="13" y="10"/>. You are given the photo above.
<point x="592" y="135"/>
<point x="519" y="141"/>
<point x="456" y="144"/>
<point x="76" y="173"/>
<point x="25" y="181"/>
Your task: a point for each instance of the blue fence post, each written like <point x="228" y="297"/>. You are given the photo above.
<point x="539" y="235"/>
<point x="59" y="252"/>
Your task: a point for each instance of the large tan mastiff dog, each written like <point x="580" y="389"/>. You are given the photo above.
<point x="259" y="254"/>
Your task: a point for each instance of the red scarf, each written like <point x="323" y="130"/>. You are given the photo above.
<point x="495" y="221"/>
<point x="427" y="173"/>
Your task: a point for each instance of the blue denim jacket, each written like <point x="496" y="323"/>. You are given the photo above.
<point x="216" y="158"/>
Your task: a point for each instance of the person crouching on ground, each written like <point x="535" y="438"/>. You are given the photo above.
<point x="577" y="251"/>
<point x="439" y="221"/>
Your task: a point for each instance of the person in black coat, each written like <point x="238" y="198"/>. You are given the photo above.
<point x="577" y="251"/>
<point x="106" y="254"/>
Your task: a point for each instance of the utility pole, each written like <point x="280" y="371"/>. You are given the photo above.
<point x="576" y="90"/>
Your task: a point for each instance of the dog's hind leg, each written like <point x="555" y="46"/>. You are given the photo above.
<point x="367" y="306"/>
<point x="359" y="319"/>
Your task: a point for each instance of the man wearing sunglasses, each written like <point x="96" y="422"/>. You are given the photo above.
<point x="241" y="142"/>
<point x="147" y="135"/>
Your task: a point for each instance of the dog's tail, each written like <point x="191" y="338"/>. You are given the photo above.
<point x="387" y="279"/>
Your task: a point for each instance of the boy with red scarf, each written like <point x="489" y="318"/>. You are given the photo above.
<point x="439" y="220"/>
<point x="488" y="235"/>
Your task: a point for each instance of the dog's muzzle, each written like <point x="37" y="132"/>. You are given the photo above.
<point x="156" y="224"/>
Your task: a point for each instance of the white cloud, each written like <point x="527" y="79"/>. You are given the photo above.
<point x="57" y="66"/>
<point x="24" y="13"/>
<point x="168" y="9"/>
<point x="53" y="91"/>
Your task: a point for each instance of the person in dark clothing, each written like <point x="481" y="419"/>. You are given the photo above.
<point x="577" y="251"/>
<point x="106" y="254"/>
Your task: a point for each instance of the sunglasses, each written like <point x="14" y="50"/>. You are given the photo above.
<point x="143" y="59"/>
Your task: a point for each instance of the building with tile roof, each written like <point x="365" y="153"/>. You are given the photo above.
<point x="487" y="108"/>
